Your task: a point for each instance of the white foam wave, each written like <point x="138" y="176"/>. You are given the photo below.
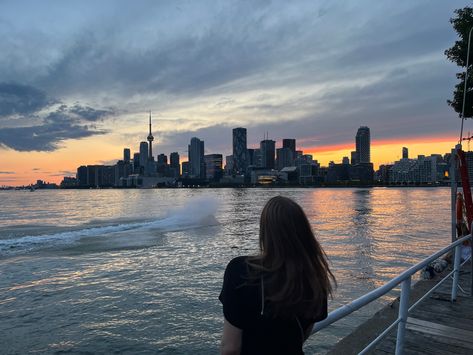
<point x="198" y="212"/>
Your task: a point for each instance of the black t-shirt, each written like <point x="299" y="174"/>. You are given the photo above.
<point x="261" y="334"/>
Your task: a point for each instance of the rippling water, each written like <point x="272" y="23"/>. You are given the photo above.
<point x="139" y="271"/>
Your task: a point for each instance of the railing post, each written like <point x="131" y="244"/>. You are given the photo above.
<point x="453" y="190"/>
<point x="456" y="272"/>
<point x="403" y="313"/>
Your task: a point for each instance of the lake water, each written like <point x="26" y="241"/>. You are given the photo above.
<point x="140" y="271"/>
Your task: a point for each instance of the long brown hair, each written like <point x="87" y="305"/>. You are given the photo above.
<point x="297" y="277"/>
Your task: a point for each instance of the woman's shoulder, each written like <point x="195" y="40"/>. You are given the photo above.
<point x="238" y="264"/>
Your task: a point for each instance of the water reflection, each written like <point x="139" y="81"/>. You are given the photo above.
<point x="162" y="295"/>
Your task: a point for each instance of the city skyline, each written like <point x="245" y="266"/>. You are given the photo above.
<point x="74" y="82"/>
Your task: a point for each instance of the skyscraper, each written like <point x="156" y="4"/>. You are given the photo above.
<point x="239" y="150"/>
<point x="213" y="166"/>
<point x="143" y="154"/>
<point x="289" y="143"/>
<point x="126" y="155"/>
<point x="284" y="158"/>
<point x="150" y="139"/>
<point x="405" y="153"/>
<point x="136" y="163"/>
<point x="196" y="158"/>
<point x="175" y="165"/>
<point x="267" y="149"/>
<point x="363" y="145"/>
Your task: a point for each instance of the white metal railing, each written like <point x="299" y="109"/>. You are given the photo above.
<point x="405" y="280"/>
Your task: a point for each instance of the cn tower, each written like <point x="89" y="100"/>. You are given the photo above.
<point x="150" y="139"/>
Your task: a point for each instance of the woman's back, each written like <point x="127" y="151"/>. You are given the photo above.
<point x="271" y="300"/>
<point x="262" y="332"/>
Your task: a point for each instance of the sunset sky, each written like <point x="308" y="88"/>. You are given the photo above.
<point x="77" y="79"/>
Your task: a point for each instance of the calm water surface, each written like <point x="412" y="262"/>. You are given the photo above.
<point x="139" y="271"/>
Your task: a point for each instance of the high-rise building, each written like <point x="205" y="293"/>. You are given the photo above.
<point x="175" y="164"/>
<point x="136" y="163"/>
<point x="345" y="161"/>
<point x="354" y="158"/>
<point x="126" y="155"/>
<point x="143" y="154"/>
<point x="289" y="143"/>
<point x="229" y="165"/>
<point x="284" y="157"/>
<point x="81" y="176"/>
<point x="196" y="158"/>
<point x="150" y="139"/>
<point x="267" y="148"/>
<point x="239" y="150"/>
<point x="162" y="159"/>
<point x="213" y="166"/>
<point x="405" y="153"/>
<point x="185" y="169"/>
<point x="363" y="145"/>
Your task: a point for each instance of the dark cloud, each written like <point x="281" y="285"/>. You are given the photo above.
<point x="46" y="137"/>
<point x="55" y="126"/>
<point x="88" y="113"/>
<point x="7" y="172"/>
<point x="18" y="99"/>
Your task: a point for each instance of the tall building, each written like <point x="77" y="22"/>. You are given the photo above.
<point x="363" y="145"/>
<point x="162" y="159"/>
<point x="405" y="153"/>
<point x="354" y="158"/>
<point x="196" y="158"/>
<point x="213" y="166"/>
<point x="284" y="158"/>
<point x="150" y="139"/>
<point x="289" y="143"/>
<point x="267" y="149"/>
<point x="239" y="150"/>
<point x="143" y="154"/>
<point x="136" y="163"/>
<point x="126" y="155"/>
<point x="175" y="164"/>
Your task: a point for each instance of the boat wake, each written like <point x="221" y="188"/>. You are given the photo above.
<point x="197" y="213"/>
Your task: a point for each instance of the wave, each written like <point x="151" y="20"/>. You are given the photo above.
<point x="198" y="212"/>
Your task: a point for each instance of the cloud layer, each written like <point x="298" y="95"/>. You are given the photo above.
<point x="315" y="71"/>
<point x="27" y="105"/>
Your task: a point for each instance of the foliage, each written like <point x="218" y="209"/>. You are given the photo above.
<point x="462" y="22"/>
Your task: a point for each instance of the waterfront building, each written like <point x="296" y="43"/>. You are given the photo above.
<point x="338" y="173"/>
<point x="354" y="158"/>
<point x="162" y="159"/>
<point x="126" y="155"/>
<point x="136" y="163"/>
<point x="122" y="170"/>
<point x="267" y="149"/>
<point x="345" y="160"/>
<point x="81" y="176"/>
<point x="162" y="164"/>
<point x="213" y="166"/>
<point x="289" y="143"/>
<point x="239" y="150"/>
<point x="229" y="165"/>
<point x="362" y="172"/>
<point x="196" y="158"/>
<point x="363" y="145"/>
<point x="175" y="164"/>
<point x="284" y="157"/>
<point x="405" y="153"/>
<point x="143" y="155"/>
<point x="185" y="169"/>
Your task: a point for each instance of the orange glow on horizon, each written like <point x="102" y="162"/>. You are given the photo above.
<point x="27" y="167"/>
